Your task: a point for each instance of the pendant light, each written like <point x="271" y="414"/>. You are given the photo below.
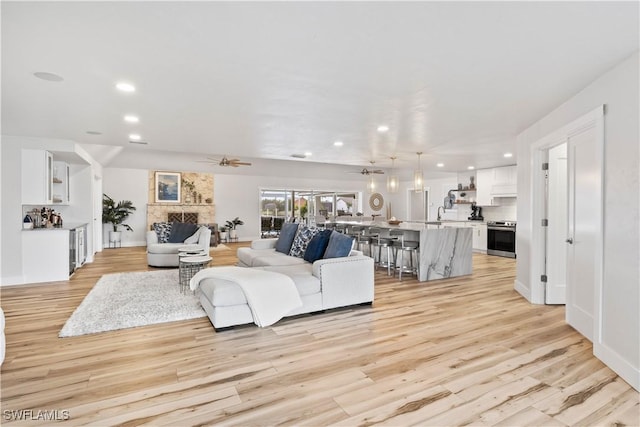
<point x="392" y="180"/>
<point x="418" y="177"/>
<point x="371" y="184"/>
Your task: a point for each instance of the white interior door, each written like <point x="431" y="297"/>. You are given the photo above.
<point x="556" y="253"/>
<point x="584" y="223"/>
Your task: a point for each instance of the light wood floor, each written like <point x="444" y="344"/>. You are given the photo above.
<point x="453" y="352"/>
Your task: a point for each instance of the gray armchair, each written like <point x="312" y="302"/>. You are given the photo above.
<point x="166" y="254"/>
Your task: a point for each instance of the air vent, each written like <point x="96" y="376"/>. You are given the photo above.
<point x="138" y="142"/>
<point x="298" y="156"/>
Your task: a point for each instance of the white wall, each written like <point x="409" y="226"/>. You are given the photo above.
<point x="11" y="208"/>
<point x="619" y="90"/>
<point x="128" y="184"/>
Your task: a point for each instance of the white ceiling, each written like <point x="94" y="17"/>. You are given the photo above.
<point x="456" y="80"/>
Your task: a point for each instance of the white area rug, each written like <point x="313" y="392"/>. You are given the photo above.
<point x="220" y="247"/>
<point x="126" y="300"/>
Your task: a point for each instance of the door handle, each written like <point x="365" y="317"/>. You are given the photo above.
<point x="569" y="241"/>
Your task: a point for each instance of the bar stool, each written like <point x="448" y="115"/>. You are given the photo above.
<point x="386" y="243"/>
<point x="369" y="238"/>
<point x="357" y="232"/>
<point x="400" y="246"/>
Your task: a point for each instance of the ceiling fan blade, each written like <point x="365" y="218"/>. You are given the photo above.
<point x="233" y="160"/>
<point x="241" y="163"/>
<point x="379" y="171"/>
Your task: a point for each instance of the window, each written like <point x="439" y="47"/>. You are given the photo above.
<point x="301" y="205"/>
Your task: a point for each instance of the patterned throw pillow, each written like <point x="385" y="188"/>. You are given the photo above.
<point x="304" y="236"/>
<point x="163" y="230"/>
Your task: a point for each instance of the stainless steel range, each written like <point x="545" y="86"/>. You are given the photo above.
<point x="501" y="238"/>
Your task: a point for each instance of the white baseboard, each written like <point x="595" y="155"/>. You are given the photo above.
<point x="126" y="244"/>
<point x="12" y="280"/>
<point x="620" y="366"/>
<point x="522" y="289"/>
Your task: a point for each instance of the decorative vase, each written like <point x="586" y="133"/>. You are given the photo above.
<point x="472" y="186"/>
<point x="223" y="236"/>
<point x="187" y="198"/>
<point x="233" y="233"/>
<point x="115" y="236"/>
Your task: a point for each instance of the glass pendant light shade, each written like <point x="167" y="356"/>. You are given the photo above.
<point x="392" y="184"/>
<point x="418" y="177"/>
<point x="392" y="180"/>
<point x="371" y="185"/>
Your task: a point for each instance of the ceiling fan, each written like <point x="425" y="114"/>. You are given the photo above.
<point x="371" y="171"/>
<point x="226" y="162"/>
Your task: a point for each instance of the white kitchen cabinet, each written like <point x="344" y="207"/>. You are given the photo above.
<point x="61" y="183"/>
<point x="484" y="182"/>
<point x="37" y="177"/>
<point x="479" y="236"/>
<point x="495" y="182"/>
<point x="505" y="182"/>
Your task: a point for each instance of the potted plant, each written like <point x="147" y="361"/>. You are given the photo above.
<point x="115" y="214"/>
<point x="231" y="226"/>
<point x="189" y="187"/>
<point x="223" y="234"/>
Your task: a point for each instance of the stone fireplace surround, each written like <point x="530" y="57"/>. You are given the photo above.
<point x="204" y="212"/>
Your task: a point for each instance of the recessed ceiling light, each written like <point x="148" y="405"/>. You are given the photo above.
<point x="308" y="153"/>
<point x="338" y="143"/>
<point x="470" y="168"/>
<point x="383" y="128"/>
<point x="50" y="77"/>
<point x="507" y="155"/>
<point x="131" y="119"/>
<point x="94" y="132"/>
<point x="440" y="165"/>
<point x="135" y="137"/>
<point x="125" y="87"/>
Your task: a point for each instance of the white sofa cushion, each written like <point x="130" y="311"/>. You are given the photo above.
<point x="164" y="248"/>
<point x="265" y="257"/>
<point x="305" y="281"/>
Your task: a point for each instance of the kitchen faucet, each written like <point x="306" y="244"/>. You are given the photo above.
<point x="443" y="211"/>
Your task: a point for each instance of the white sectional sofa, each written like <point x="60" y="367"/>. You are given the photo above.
<point x="323" y="284"/>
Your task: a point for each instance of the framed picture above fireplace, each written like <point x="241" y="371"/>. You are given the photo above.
<point x="167" y="187"/>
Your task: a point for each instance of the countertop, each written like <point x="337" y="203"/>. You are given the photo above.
<point x="410" y="226"/>
<point x="65" y="227"/>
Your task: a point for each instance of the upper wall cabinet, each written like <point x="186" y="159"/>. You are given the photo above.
<point x="61" y="183"/>
<point x="505" y="182"/>
<point x="496" y="182"/>
<point x="44" y="182"/>
<point x="37" y="177"/>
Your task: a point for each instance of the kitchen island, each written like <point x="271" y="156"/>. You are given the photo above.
<point x="445" y="250"/>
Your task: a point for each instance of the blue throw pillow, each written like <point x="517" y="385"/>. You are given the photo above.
<point x="317" y="246"/>
<point x="339" y="245"/>
<point x="287" y="234"/>
<point x="302" y="239"/>
<point x="180" y="231"/>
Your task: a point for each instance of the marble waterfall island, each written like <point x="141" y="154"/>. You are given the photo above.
<point x="445" y="252"/>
